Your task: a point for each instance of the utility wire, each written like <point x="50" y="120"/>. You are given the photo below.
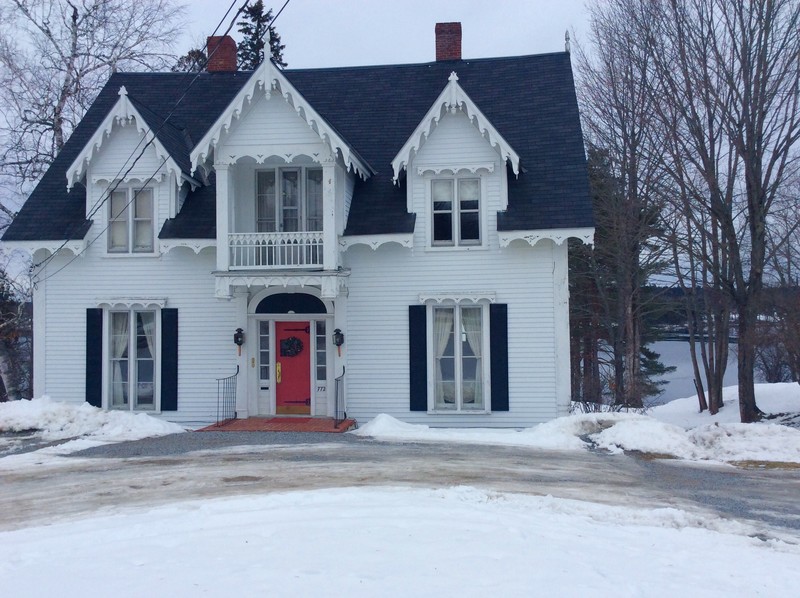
<point x="106" y="194"/>
<point x="109" y="191"/>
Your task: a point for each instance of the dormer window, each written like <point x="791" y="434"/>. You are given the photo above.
<point x="456" y="213"/>
<point x="130" y="221"/>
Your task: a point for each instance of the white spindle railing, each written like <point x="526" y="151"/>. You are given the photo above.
<point x="275" y="250"/>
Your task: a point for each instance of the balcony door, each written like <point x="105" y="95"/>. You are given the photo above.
<point x="288" y="200"/>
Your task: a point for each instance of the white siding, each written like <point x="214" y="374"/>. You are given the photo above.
<point x="385" y="282"/>
<point x="205" y="324"/>
<point x="119" y="152"/>
<point x="267" y="127"/>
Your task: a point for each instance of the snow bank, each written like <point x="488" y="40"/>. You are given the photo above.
<point x="59" y="421"/>
<point x="771" y="398"/>
<point x="675" y="430"/>
<point x="547" y="436"/>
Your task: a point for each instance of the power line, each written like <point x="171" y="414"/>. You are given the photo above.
<point x="106" y="194"/>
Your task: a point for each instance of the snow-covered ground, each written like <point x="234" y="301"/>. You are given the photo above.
<point x="395" y="542"/>
<point x="400" y="541"/>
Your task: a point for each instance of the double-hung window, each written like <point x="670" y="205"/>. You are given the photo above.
<point x="289" y="200"/>
<point x="458" y="354"/>
<point x="456" y="211"/>
<point x="132" y="361"/>
<point x="130" y="218"/>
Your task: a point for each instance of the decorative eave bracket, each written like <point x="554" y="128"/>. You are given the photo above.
<point x="122" y="114"/>
<point x="130" y="302"/>
<point x="557" y="235"/>
<point x="75" y="246"/>
<point x="375" y="241"/>
<point x="331" y="284"/>
<point x="440" y="297"/>
<point x="196" y="245"/>
<point x="268" y="79"/>
<point x="453" y="99"/>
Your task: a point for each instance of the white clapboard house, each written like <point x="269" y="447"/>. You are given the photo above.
<point x="402" y="228"/>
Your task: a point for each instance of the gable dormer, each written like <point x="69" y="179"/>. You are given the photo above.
<point x="134" y="168"/>
<point x="455" y="163"/>
<point x="141" y="150"/>
<point x="265" y="84"/>
<point x="453" y="100"/>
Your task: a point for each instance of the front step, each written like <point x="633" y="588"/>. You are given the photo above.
<point x="282" y="424"/>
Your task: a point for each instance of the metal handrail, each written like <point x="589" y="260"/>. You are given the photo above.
<point x="226" y="397"/>
<point x="340" y="409"/>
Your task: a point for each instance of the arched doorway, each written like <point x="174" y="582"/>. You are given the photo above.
<point x="292" y="353"/>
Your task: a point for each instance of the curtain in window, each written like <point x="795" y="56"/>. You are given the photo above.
<point x="119" y="348"/>
<point x="149" y="325"/>
<point x="118" y="222"/>
<point x="471" y="322"/>
<point x="442" y="327"/>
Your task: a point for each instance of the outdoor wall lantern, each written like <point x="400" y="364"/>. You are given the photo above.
<point x="338" y="340"/>
<point x="238" y="339"/>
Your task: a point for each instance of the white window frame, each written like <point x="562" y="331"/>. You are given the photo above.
<point x="108" y="356"/>
<point x="457" y="241"/>
<point x="302" y="196"/>
<point x="458" y="408"/>
<point x="128" y="216"/>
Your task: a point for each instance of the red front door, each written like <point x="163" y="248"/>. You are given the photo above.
<point x="293" y="368"/>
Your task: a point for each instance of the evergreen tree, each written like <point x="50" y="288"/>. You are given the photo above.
<point x="607" y="283"/>
<point x="193" y="61"/>
<point x="254" y="28"/>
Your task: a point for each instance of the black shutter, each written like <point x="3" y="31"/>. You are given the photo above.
<point x="169" y="360"/>
<point x="498" y="354"/>
<point x="418" y="357"/>
<point x="94" y="356"/>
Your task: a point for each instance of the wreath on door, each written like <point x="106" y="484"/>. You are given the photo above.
<point x="291" y="347"/>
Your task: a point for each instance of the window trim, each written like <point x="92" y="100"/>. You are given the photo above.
<point x="302" y="192"/>
<point x="107" y="357"/>
<point x="486" y="357"/>
<point x="130" y="222"/>
<point x="456" y="243"/>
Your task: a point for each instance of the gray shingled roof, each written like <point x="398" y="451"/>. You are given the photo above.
<point x="529" y="99"/>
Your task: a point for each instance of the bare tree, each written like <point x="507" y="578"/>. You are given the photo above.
<point x="728" y="83"/>
<point x="617" y="112"/>
<point x="55" y="56"/>
<point x="723" y="79"/>
<point x="16" y="342"/>
<point x="778" y="350"/>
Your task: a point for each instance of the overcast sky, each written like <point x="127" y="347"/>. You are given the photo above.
<point x="323" y="33"/>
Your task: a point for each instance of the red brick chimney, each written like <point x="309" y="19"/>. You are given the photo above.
<point x="221" y="54"/>
<point x="448" y="41"/>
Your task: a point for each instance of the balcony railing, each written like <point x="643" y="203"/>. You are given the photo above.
<point x="275" y="250"/>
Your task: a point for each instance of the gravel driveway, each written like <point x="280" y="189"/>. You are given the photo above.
<point x="159" y="471"/>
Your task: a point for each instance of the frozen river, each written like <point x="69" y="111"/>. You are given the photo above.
<point x="681" y="383"/>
